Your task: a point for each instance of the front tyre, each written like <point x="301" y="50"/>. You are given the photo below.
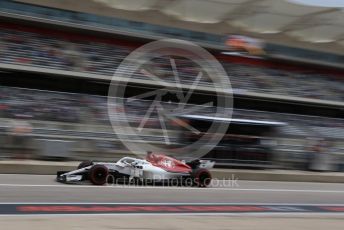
<point x="98" y="174"/>
<point x="201" y="177"/>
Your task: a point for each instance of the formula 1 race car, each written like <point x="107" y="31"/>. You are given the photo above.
<point x="155" y="169"/>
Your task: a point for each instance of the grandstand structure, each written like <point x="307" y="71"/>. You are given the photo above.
<point x="282" y="23"/>
<point x="55" y="73"/>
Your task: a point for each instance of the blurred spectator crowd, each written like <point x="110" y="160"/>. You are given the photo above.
<point x="75" y="108"/>
<point x="42" y="50"/>
<point x="38" y="105"/>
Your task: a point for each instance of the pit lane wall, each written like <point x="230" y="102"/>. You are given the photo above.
<point x="50" y="168"/>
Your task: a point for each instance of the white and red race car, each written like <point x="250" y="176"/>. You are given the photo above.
<point x="155" y="169"/>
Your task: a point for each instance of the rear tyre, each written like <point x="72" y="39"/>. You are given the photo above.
<point x="98" y="174"/>
<point x="85" y="164"/>
<point x="201" y="177"/>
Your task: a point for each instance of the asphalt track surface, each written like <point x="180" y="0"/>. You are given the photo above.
<point x="39" y="191"/>
<point x="44" y="189"/>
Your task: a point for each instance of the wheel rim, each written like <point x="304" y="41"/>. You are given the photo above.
<point x="100" y="174"/>
<point x="204" y="179"/>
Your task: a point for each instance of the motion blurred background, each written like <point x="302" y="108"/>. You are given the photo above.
<point x="284" y="60"/>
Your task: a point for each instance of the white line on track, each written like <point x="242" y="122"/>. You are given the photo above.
<point x="250" y="214"/>
<point x="175" y="188"/>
